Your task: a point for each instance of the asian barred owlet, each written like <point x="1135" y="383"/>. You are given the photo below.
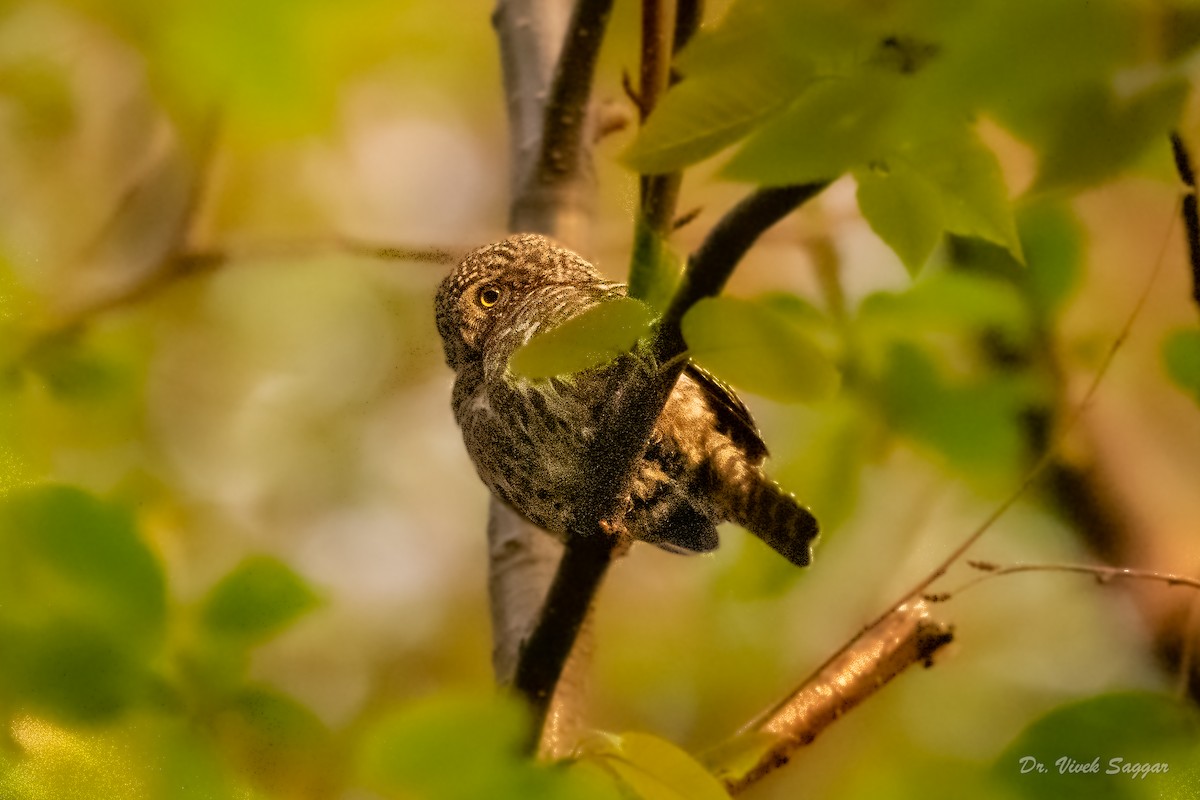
<point x="529" y="439"/>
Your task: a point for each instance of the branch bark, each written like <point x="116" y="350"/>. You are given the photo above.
<point x="906" y="636"/>
<point x="548" y="50"/>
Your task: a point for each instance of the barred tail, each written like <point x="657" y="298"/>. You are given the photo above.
<point x="776" y="517"/>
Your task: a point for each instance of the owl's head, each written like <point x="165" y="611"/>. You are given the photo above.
<point x="485" y="292"/>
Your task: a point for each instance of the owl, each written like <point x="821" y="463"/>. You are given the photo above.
<point x="529" y="439"/>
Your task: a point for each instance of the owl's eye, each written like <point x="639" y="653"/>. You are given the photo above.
<point x="489" y="296"/>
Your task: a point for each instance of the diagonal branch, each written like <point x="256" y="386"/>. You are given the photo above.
<point x="906" y="636"/>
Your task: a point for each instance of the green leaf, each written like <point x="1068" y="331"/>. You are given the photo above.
<point x="1181" y="355"/>
<point x="1053" y="243"/>
<point x="271" y="68"/>
<point x="1114" y="733"/>
<point x="274" y="721"/>
<point x="837" y="124"/>
<point x="66" y="555"/>
<point x="904" y="209"/>
<point x="968" y="178"/>
<point x="708" y="112"/>
<point x="753" y="346"/>
<point x="591" y="339"/>
<point x="1091" y="134"/>
<point x="284" y="740"/>
<point x="71" y="671"/>
<point x="827" y="476"/>
<point x="258" y="598"/>
<point x="463" y="747"/>
<point x="653" y="768"/>
<point x="973" y="425"/>
<point x="1061" y="44"/>
<point x="956" y="301"/>
<point x="735" y="757"/>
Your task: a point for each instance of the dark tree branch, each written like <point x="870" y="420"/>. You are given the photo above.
<point x="1191" y="216"/>
<point x="688" y="15"/>
<point x="567" y="106"/>
<point x="580" y="572"/>
<point x="905" y="636"/>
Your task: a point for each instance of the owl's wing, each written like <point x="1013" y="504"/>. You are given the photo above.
<point x="673" y="522"/>
<point x="732" y="415"/>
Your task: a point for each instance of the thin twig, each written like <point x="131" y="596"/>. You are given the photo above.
<point x="1049" y="454"/>
<point x="1102" y="573"/>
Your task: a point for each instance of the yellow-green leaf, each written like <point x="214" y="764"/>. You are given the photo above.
<point x="653" y="768"/>
<point x="705" y="114"/>
<point x="590" y="339"/>
<point x="968" y="178"/>
<point x="258" y="598"/>
<point x="756" y="347"/>
<point x="904" y="209"/>
<point x="837" y="124"/>
<point x="1181" y="354"/>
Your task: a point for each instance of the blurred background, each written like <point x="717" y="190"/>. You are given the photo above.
<point x="195" y="335"/>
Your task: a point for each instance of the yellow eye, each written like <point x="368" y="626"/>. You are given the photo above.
<point x="489" y="296"/>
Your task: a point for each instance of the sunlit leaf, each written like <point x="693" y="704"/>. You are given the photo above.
<point x="826" y="477"/>
<point x="67" y="555"/>
<point x="72" y="371"/>
<point x="284" y="742"/>
<point x="1181" y="354"/>
<point x="956" y="301"/>
<point x="1053" y="243"/>
<point x="754" y="347"/>
<point x="258" y="598"/>
<point x="837" y="124"/>
<point x="1107" y="737"/>
<point x="464" y="747"/>
<point x="653" y="768"/>
<point x="904" y="209"/>
<point x="590" y="339"/>
<point x="1092" y="134"/>
<point x="974" y="425"/>
<point x="270" y="68"/>
<point x="706" y="113"/>
<point x="71" y="671"/>
<point x="1061" y="44"/>
<point x="970" y="183"/>
<point x="736" y="756"/>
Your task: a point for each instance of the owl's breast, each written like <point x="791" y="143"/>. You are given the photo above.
<point x="528" y="441"/>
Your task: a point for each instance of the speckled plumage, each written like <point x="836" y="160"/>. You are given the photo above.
<point x="529" y="439"/>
